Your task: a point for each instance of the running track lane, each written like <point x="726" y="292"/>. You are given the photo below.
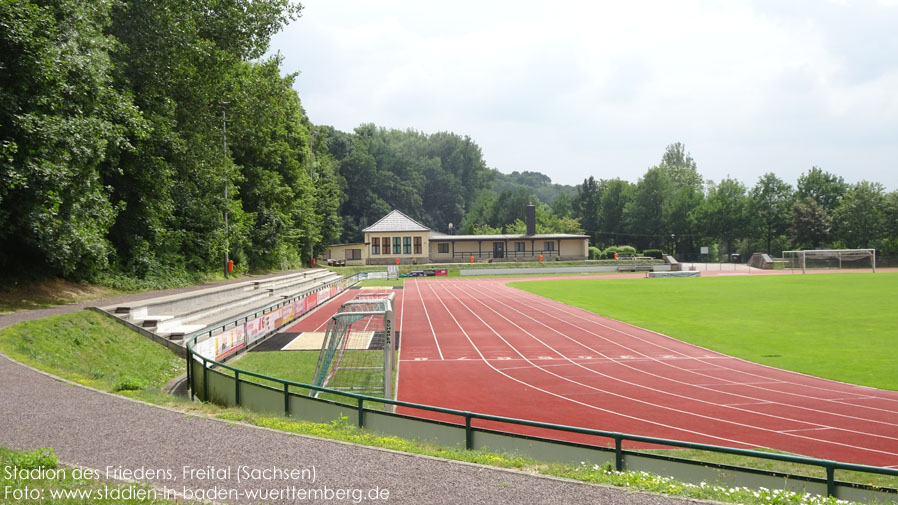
<point x="478" y="345"/>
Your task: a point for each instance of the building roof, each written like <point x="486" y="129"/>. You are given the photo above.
<point x="538" y="236"/>
<point x="393" y="222"/>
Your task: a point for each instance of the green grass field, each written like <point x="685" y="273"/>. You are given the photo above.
<point x="838" y="326"/>
<point x="295" y="366"/>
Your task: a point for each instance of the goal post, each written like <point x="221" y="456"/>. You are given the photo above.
<point x="358" y="350"/>
<point x="830" y="259"/>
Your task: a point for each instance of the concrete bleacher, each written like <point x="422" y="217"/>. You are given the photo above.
<point x="175" y="316"/>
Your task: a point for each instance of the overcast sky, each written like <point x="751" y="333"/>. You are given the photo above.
<point x="574" y="89"/>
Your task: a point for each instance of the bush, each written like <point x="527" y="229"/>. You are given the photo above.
<point x="595" y="253"/>
<point x="620" y="250"/>
<point x="653" y="253"/>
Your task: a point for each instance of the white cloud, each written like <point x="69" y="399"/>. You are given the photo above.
<point x="575" y="89"/>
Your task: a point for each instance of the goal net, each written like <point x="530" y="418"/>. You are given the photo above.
<point x="357" y="353"/>
<point x="830" y="259"/>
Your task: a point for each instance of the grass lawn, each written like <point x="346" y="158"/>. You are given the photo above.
<point x="89" y="348"/>
<point x="295" y="366"/>
<point x="838" y="326"/>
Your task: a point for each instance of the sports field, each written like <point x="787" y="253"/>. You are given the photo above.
<point x="481" y="345"/>
<point x="837" y="326"/>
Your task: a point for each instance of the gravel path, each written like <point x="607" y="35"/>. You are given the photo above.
<point x="226" y="462"/>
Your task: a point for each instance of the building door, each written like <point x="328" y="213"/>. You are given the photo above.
<point x="498" y="250"/>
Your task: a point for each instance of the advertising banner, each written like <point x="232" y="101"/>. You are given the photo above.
<point x="229" y="342"/>
<point x="222" y="345"/>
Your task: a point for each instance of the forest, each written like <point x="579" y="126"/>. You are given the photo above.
<point x="146" y="139"/>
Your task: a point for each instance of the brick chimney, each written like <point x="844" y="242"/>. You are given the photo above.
<point x="530" y="217"/>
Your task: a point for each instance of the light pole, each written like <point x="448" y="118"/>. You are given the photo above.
<point x="673" y="244"/>
<point x="312" y="178"/>
<point x="224" y="143"/>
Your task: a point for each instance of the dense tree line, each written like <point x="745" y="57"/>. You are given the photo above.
<point x="150" y="137"/>
<point x="672" y="208"/>
<point x="432" y="178"/>
<point x="125" y="123"/>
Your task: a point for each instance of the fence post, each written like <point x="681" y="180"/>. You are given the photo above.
<point x="205" y="380"/>
<point x="618" y="454"/>
<point x="189" y="366"/>
<point x="287" y="399"/>
<point x="469" y="435"/>
<point x="831" y="481"/>
<point x="361" y="413"/>
<point x="237" y="387"/>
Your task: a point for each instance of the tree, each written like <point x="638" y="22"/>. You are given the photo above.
<point x="480" y="214"/>
<point x="723" y="212"/>
<point x="770" y="201"/>
<point x="60" y="116"/>
<point x="889" y="244"/>
<point x="547" y="222"/>
<point x="679" y="214"/>
<point x="563" y="205"/>
<point x="680" y="167"/>
<point x="826" y="188"/>
<point x="860" y="218"/>
<point x="644" y="213"/>
<point x="615" y="198"/>
<point x="809" y="223"/>
<point x="586" y="206"/>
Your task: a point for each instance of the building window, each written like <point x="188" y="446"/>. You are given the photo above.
<point x="353" y="254"/>
<point x="443" y="248"/>
<point x="386" y="243"/>
<point x="375" y="245"/>
<point x="417" y="245"/>
<point x="406" y="245"/>
<point x="520" y="247"/>
<point x="549" y="246"/>
<point x="397" y="245"/>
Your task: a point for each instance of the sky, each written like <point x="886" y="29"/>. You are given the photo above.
<point x="596" y="88"/>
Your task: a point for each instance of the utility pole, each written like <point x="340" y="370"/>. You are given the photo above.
<point x="224" y="143"/>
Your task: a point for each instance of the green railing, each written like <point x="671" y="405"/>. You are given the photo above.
<point x="356" y="402"/>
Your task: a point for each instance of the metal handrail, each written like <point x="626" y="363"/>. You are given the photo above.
<point x="829" y="465"/>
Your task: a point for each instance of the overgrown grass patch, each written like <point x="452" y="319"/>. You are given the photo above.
<point x="30" y="294"/>
<point x="837" y="326"/>
<point x="89" y="348"/>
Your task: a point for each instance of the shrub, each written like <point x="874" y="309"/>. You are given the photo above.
<point x="595" y="253"/>
<point x="653" y="253"/>
<point x="620" y="250"/>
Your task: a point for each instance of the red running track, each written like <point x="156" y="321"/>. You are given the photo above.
<point x="317" y="319"/>
<point x="481" y="346"/>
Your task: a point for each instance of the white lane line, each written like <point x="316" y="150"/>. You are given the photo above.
<point x="483" y="304"/>
<point x="562" y="397"/>
<point x="429" y="323"/>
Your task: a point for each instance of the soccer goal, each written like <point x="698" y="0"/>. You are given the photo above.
<point x="830" y="259"/>
<point x="358" y="351"/>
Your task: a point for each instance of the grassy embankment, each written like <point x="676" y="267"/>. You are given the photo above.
<point x="837" y="326"/>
